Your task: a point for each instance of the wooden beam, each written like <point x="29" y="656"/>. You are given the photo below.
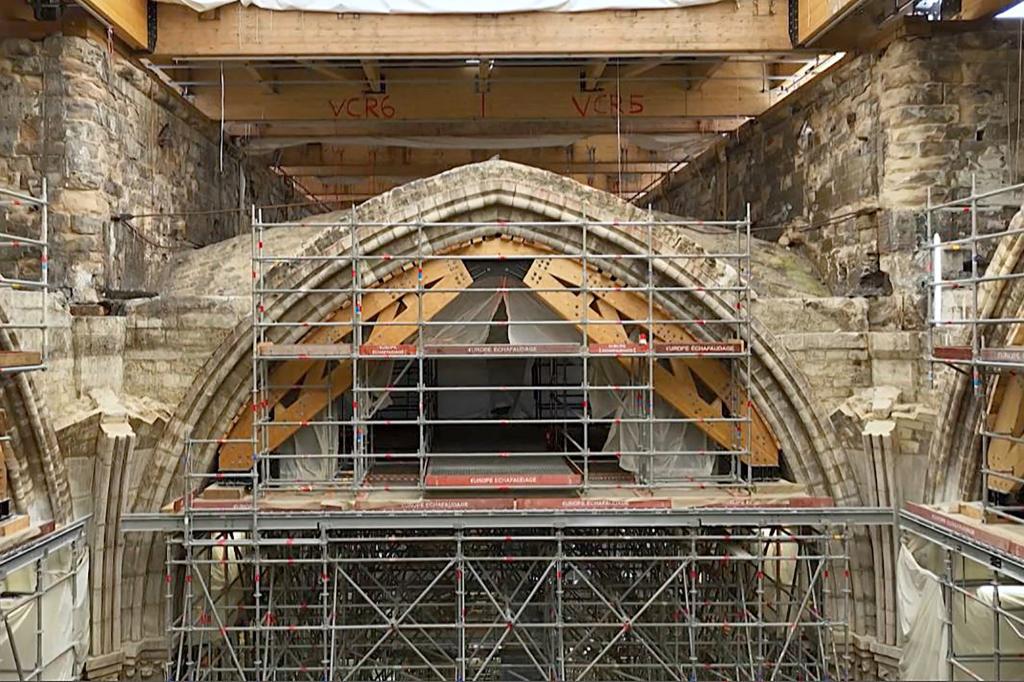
<point x="973" y="10"/>
<point x="592" y="74"/>
<point x="598" y="152"/>
<point x="326" y="71"/>
<point x="360" y="131"/>
<point x="237" y="456"/>
<point x="516" y="96"/>
<point x="254" y="73"/>
<point x="128" y="18"/>
<point x="249" y="31"/>
<point x="371" y="69"/>
<point x="698" y="74"/>
<point x="483" y="75"/>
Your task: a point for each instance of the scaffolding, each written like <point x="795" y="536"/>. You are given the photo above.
<point x="542" y="603"/>
<point x="540" y="552"/>
<point x="24" y="267"/>
<point x="43" y="585"/>
<point x="541" y="362"/>
<point x="981" y="603"/>
<point x="970" y="333"/>
<point x="976" y="548"/>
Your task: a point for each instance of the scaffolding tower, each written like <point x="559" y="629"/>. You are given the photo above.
<point x="977" y="547"/>
<point x="43" y="565"/>
<point x="532" y="531"/>
<point x="522" y="294"/>
<point x="24" y="272"/>
<point x="968" y="332"/>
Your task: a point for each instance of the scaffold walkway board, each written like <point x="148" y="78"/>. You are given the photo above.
<point x="998" y="545"/>
<point x="37" y="542"/>
<point x="239" y="519"/>
<point x="490" y="473"/>
<point x="305" y="498"/>
<point x="1010" y="356"/>
<point x="312" y="351"/>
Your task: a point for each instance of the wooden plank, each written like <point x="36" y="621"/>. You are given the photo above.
<point x="223" y="492"/>
<point x="1009" y="356"/>
<point x="304" y="351"/>
<point x="128" y="18"/>
<point x="19" y="358"/>
<point x="395" y="350"/>
<point x="503" y="481"/>
<point x="14" y="524"/>
<point x="504" y="349"/>
<point x="954" y="353"/>
<point x="592" y="503"/>
<point x="718" y="27"/>
<point x="973" y="10"/>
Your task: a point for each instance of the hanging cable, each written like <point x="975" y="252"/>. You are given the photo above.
<point x="222" y="117"/>
<point x="618" y="125"/>
<point x="1020" y="67"/>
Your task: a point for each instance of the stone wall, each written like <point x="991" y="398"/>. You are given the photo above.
<point x="843" y="166"/>
<point x="112" y="140"/>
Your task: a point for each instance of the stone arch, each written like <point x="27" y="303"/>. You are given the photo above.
<point x="486" y="191"/>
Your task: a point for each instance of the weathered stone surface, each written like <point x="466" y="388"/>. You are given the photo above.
<point x="115" y="141"/>
<point x="871" y="137"/>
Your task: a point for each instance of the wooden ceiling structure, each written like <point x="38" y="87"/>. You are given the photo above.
<point x="351" y="105"/>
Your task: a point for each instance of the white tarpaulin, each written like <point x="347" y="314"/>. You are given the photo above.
<point x="64" y="614"/>
<point x="607" y="401"/>
<point x="444" y="6"/>
<point x="922" y="612"/>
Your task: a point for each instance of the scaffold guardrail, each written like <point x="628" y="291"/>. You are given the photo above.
<point x="25" y="268"/>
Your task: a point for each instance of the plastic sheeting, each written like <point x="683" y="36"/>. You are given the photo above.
<point x="922" y="612"/>
<point x="444" y="6"/>
<point x="608" y="403"/>
<point x="65" y="618"/>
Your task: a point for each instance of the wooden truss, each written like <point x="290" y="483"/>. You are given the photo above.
<point x="315" y="387"/>
<point x="676" y="381"/>
<point x="302" y="387"/>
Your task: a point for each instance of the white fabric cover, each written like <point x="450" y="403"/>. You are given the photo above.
<point x="444" y="6"/>
<point x="922" y="610"/>
<point x="607" y="403"/>
<point x="65" y="619"/>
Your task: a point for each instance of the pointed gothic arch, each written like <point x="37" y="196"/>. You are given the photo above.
<point x="492" y="190"/>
